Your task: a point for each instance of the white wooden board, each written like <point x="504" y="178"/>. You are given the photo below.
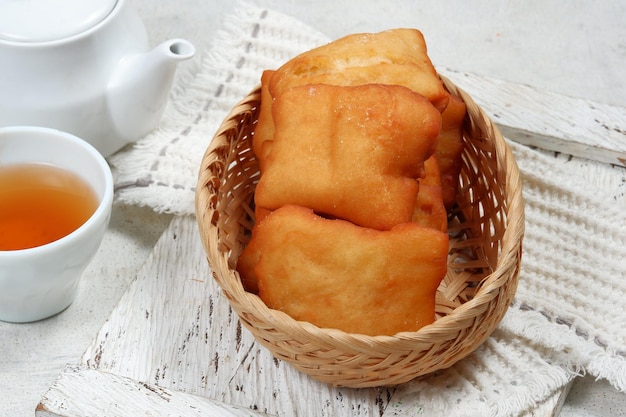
<point x="547" y="120"/>
<point x="106" y="394"/>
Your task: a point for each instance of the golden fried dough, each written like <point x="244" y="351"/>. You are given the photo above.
<point x="349" y="152"/>
<point x="394" y="57"/>
<point x="334" y="274"/>
<point x="429" y="209"/>
<point x="246" y="263"/>
<point x="249" y="258"/>
<point x="260" y="213"/>
<point x="264" y="130"/>
<point x="449" y="148"/>
<point x="359" y="148"/>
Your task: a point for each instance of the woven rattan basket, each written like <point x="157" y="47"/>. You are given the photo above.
<point x="486" y="231"/>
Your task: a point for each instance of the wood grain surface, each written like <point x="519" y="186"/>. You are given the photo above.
<point x="548" y="120"/>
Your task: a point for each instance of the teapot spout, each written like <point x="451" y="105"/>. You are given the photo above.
<point x="139" y="87"/>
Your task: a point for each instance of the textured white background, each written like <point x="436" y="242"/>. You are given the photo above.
<point x="575" y="47"/>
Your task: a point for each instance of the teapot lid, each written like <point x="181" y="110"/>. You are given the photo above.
<point x="48" y="20"/>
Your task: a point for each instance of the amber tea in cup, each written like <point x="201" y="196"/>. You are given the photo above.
<point x="56" y="196"/>
<point x="41" y="203"/>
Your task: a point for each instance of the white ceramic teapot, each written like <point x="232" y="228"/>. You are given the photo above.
<point x="85" y="67"/>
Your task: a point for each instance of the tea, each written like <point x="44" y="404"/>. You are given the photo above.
<point x="41" y="203"/>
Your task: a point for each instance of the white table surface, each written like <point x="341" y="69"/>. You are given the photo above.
<point x="577" y="48"/>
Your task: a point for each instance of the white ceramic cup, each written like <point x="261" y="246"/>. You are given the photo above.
<point x="40" y="282"/>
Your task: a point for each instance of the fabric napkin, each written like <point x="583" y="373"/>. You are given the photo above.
<point x="568" y="315"/>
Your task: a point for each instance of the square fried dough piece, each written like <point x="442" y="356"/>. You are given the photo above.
<point x="353" y="153"/>
<point x="337" y="275"/>
<point x="395" y="57"/>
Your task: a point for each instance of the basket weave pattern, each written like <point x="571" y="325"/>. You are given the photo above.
<point x="486" y="230"/>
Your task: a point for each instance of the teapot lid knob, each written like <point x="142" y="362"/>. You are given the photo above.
<point x="50" y="20"/>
